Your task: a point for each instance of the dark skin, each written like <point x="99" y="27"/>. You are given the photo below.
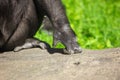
<point x="20" y="19"/>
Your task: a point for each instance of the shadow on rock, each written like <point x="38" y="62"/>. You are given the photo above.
<point x="56" y="50"/>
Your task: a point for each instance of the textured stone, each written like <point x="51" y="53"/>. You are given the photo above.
<point x="37" y="64"/>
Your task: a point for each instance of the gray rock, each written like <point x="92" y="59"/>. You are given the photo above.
<point x="37" y="64"/>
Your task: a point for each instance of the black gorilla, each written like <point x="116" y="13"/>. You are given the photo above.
<point x="20" y="19"/>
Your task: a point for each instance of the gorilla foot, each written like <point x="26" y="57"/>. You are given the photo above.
<point x="30" y="43"/>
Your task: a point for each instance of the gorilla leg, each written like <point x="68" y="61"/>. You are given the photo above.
<point x="26" y="27"/>
<point x="62" y="31"/>
<point x="23" y="36"/>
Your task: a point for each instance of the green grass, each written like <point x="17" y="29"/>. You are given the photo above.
<point x="95" y="22"/>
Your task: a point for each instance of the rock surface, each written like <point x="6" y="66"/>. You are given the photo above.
<point x="37" y="64"/>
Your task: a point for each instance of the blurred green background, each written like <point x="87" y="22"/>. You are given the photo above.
<point x="95" y="22"/>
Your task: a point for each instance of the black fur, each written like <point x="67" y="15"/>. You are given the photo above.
<point x="20" y="19"/>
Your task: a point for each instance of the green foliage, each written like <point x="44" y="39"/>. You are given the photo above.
<point x="95" y="22"/>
